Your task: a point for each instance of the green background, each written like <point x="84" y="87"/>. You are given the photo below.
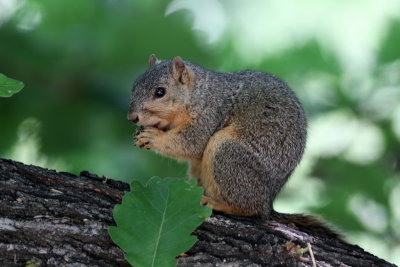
<point x="78" y="60"/>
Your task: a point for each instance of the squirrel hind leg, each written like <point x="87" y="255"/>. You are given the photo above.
<point x="231" y="178"/>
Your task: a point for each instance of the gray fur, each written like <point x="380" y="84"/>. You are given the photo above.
<point x="268" y="118"/>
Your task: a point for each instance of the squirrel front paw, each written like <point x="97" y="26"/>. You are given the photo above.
<point x="148" y="137"/>
<point x="138" y="131"/>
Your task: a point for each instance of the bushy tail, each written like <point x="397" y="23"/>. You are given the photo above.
<point x="307" y="223"/>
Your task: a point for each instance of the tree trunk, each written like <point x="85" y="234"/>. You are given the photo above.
<point x="50" y="218"/>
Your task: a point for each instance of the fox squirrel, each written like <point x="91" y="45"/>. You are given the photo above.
<point x="243" y="134"/>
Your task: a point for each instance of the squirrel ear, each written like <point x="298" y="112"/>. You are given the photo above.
<point x="181" y="72"/>
<point x="153" y="60"/>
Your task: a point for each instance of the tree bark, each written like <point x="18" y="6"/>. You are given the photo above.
<point x="50" y="218"/>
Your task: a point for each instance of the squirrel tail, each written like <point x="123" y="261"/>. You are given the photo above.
<point x="307" y="223"/>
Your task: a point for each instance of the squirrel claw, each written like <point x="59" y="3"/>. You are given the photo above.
<point x="138" y="131"/>
<point x="147" y="138"/>
<point x="144" y="145"/>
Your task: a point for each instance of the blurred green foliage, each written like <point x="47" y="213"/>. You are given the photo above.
<point x="78" y="60"/>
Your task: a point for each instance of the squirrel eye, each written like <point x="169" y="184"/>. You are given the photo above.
<point x="159" y="92"/>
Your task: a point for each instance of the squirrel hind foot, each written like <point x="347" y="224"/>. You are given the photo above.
<point x="221" y="206"/>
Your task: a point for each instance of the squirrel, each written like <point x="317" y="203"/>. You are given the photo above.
<point x="243" y="133"/>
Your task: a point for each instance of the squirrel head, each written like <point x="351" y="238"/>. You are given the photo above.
<point x="160" y="95"/>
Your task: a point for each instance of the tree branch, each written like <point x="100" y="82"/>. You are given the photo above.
<point x="59" y="219"/>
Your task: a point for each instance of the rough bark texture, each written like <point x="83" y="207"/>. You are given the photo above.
<point x="59" y="219"/>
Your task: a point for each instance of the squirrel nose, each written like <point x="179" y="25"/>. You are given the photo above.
<point x="133" y="117"/>
<point x="135" y="120"/>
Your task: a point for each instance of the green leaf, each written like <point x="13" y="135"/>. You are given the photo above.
<point x="154" y="222"/>
<point x="9" y="86"/>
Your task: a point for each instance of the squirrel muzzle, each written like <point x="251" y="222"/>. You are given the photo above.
<point x="133" y="117"/>
<point x="148" y="120"/>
